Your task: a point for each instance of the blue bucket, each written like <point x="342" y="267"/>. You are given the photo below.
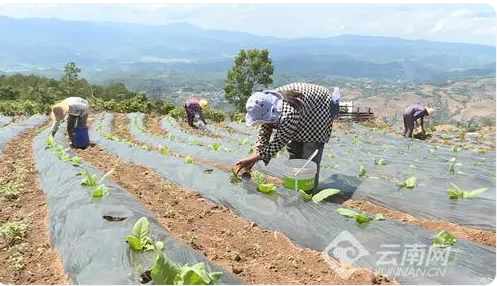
<point x="81" y="137"/>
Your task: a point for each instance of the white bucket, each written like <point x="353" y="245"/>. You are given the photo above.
<point x="305" y="180"/>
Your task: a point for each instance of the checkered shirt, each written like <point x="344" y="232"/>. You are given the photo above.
<point x="312" y="124"/>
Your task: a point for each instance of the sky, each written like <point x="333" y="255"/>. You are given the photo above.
<point x="462" y="23"/>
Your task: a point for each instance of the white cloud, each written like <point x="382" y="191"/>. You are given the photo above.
<point x="459" y="23"/>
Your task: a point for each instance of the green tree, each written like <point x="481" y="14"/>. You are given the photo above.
<point x="252" y="70"/>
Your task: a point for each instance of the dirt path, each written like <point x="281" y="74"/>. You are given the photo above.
<point x="258" y="256"/>
<point x="26" y="256"/>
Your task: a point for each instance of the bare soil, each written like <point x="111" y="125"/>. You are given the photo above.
<point x="28" y="259"/>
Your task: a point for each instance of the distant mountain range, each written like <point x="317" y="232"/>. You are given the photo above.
<point x="35" y="43"/>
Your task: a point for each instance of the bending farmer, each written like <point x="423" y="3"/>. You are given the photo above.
<point x="413" y="113"/>
<point x="301" y="114"/>
<point x="76" y="109"/>
<point x="194" y="107"/>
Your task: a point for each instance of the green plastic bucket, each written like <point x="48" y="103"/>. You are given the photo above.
<point x="305" y="180"/>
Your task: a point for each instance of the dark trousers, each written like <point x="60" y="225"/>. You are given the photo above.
<point x="303" y="150"/>
<point x="408" y="124"/>
<point x="75" y="120"/>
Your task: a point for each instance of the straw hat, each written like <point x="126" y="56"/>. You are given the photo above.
<point x="430" y="111"/>
<point x="203" y="103"/>
<point x="59" y="111"/>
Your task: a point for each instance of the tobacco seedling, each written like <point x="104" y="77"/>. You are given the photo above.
<point x="330" y="155"/>
<point x="360" y="218"/>
<point x="260" y="178"/>
<point x="243" y="142"/>
<point x="89" y="180"/>
<point x="319" y="197"/>
<point x="409" y="183"/>
<point x="50" y="141"/>
<point x="456" y="149"/>
<point x="194" y="142"/>
<point x="305" y="195"/>
<point x="458" y="193"/>
<point x="76" y="161"/>
<point x="101" y="189"/>
<point x="380" y="162"/>
<point x="362" y="172"/>
<point x="165" y="272"/>
<point x="144" y="147"/>
<point x="164" y="151"/>
<point x="266" y="188"/>
<point x="234" y="179"/>
<point x="139" y="240"/>
<point x="444" y="239"/>
<point x="189" y="160"/>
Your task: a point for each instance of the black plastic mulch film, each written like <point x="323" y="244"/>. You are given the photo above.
<point x="93" y="249"/>
<point x="403" y="158"/>
<point x="12" y="130"/>
<point x="307" y="224"/>
<point x="5" y="120"/>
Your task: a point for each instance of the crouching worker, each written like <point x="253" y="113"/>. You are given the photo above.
<point x="413" y="113"/>
<point x="76" y="109"/>
<point x="302" y="116"/>
<point x="194" y="107"/>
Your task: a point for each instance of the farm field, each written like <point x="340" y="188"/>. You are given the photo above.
<point x="153" y="198"/>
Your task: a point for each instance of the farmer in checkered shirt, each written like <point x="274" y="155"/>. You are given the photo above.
<point x="302" y="116"/>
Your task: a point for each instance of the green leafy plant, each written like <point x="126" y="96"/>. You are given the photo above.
<point x="409" y="183"/>
<point x="215" y="146"/>
<point x="305" y="195"/>
<point x="144" y="147"/>
<point x="164" y="151"/>
<point x="195" y="142"/>
<point x="243" y="142"/>
<point x="356" y="140"/>
<point x="101" y="189"/>
<point x="362" y="172"/>
<point x="76" y="161"/>
<point x="481" y="151"/>
<point x="330" y="155"/>
<point x="140" y="240"/>
<point x="444" y="239"/>
<point x="189" y="160"/>
<point x="266" y="188"/>
<point x="14" y="232"/>
<point x="234" y="179"/>
<point x="360" y="218"/>
<point x="260" y="178"/>
<point x="412" y="166"/>
<point x="50" y="141"/>
<point x="319" y="197"/>
<point x="458" y="193"/>
<point x="165" y="272"/>
<point x="452" y="166"/>
<point x="11" y="191"/>
<point x="380" y="162"/>
<point x="456" y="149"/>
<point x="89" y="180"/>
